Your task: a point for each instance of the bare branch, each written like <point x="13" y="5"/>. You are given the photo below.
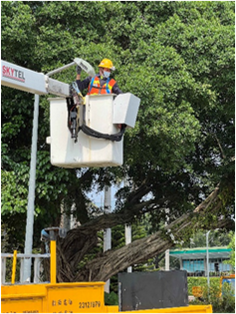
<point x="220" y="147"/>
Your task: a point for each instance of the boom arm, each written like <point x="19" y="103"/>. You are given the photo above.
<point x="30" y="81"/>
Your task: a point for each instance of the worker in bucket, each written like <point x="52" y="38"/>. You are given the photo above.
<point x="101" y="83"/>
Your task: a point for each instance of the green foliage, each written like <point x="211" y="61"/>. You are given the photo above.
<point x="216" y="238"/>
<point x="201" y="282"/>
<point x="111" y="298"/>
<point x="18" y="36"/>
<point x="4" y="238"/>
<point x="221" y="298"/>
<point x="232" y="247"/>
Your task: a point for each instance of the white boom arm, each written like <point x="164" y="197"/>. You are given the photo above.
<point x="33" y="82"/>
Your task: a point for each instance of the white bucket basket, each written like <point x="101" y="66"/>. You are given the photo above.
<point x="89" y="151"/>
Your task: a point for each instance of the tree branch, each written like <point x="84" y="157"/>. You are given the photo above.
<point x="220" y="147"/>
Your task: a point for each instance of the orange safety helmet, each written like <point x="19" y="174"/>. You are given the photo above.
<point x="106" y="63"/>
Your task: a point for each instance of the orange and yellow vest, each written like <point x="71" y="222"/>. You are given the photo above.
<point x="95" y="88"/>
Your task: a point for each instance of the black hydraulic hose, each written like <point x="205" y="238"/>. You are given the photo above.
<point x="112" y="137"/>
<point x="87" y="130"/>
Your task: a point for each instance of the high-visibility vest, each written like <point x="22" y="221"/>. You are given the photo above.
<point x="95" y="88"/>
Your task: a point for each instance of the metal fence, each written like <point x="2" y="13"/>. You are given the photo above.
<point x="37" y="265"/>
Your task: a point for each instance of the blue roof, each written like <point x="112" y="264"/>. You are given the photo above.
<point x="200" y="253"/>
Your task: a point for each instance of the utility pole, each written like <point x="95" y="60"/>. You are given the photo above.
<point x="31" y="194"/>
<point x="167" y="252"/>
<point x="128" y="239"/>
<point x="107" y="232"/>
<point x="207" y="262"/>
<point x="128" y="230"/>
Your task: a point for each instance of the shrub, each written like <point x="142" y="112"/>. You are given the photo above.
<point x="222" y="300"/>
<point x="111" y="298"/>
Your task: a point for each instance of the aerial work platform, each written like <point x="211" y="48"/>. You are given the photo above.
<point x="105" y="114"/>
<point x="101" y="113"/>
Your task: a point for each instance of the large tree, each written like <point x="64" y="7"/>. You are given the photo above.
<point x="178" y="57"/>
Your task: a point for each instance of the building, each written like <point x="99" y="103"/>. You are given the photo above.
<point x="194" y="260"/>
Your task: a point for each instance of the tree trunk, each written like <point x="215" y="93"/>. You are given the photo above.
<point x="113" y="261"/>
<point x="79" y="241"/>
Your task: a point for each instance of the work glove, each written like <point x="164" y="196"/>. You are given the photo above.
<point x="78" y="69"/>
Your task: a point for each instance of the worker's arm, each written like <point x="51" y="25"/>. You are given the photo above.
<point x="82" y="84"/>
<point x="116" y="90"/>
